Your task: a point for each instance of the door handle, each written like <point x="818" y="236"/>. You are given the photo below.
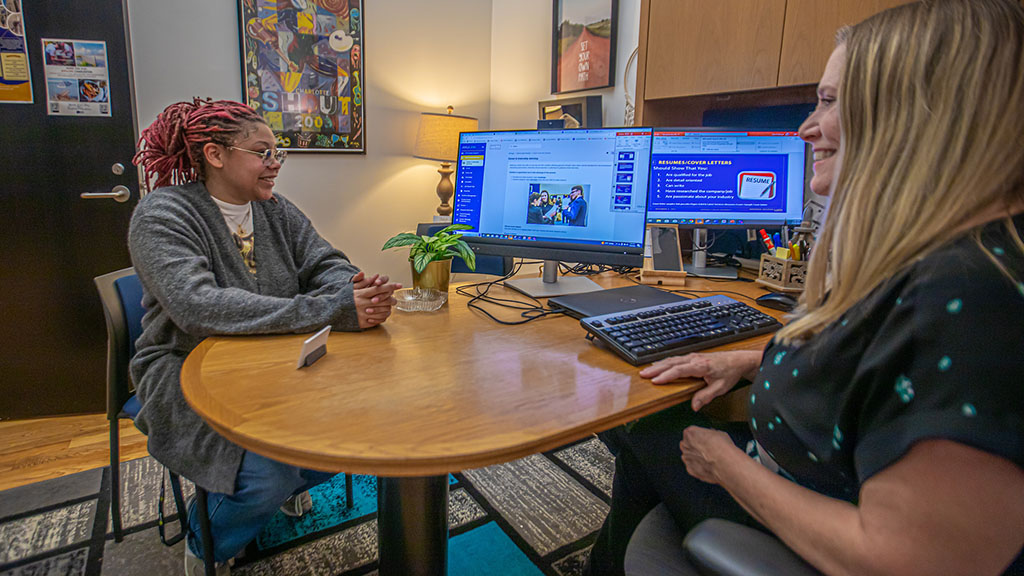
<point x="119" y="193"/>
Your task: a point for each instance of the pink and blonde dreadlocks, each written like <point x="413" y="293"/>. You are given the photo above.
<point x="171" y="149"/>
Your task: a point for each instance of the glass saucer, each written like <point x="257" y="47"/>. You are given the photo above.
<point x="420" y="299"/>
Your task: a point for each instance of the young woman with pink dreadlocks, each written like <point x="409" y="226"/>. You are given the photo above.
<point x="218" y="252"/>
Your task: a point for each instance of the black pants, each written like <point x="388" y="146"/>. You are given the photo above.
<point x="649" y="470"/>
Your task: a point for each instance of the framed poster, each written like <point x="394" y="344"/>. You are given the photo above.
<point x="302" y="70"/>
<point x="15" y="77"/>
<point x="583" y="44"/>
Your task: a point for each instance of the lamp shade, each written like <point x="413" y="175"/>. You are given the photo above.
<point x="438" y="136"/>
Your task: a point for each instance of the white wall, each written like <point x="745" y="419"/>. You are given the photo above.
<point x="419" y="57"/>
<point x="521" y="62"/>
<point x="490" y="60"/>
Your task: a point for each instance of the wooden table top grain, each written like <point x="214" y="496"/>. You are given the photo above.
<point x="426" y="393"/>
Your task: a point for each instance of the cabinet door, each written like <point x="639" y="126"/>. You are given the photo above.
<point x="702" y="46"/>
<point x="810" y="33"/>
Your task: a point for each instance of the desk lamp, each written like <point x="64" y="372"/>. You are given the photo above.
<point x="438" y="139"/>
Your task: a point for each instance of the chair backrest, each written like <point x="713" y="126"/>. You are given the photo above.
<point x="121" y="295"/>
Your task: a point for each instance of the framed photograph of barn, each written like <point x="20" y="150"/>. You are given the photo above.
<point x="583" y="44"/>
<point x="302" y="70"/>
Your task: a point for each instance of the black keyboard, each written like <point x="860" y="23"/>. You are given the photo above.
<point x="644" y="335"/>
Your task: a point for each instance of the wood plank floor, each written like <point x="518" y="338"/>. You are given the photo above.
<point x="44" y="448"/>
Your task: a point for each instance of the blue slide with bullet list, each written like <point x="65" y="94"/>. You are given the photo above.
<point x="745" y="183"/>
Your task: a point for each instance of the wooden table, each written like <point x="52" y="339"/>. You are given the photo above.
<point x="423" y="395"/>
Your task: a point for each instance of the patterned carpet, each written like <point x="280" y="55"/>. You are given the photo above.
<point x="534" y="516"/>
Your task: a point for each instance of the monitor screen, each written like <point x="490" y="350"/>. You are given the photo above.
<point x="705" y="177"/>
<point x="571" y="195"/>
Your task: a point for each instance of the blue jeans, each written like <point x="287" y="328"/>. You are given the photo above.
<point x="261" y="486"/>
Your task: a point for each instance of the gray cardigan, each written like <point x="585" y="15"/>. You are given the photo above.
<point x="195" y="285"/>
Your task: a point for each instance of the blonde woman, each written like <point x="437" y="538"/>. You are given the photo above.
<point x="886" y="420"/>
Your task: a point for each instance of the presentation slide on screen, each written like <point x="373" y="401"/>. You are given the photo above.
<point x="719" y="183"/>
<point x="550" y="188"/>
<point x="694" y="179"/>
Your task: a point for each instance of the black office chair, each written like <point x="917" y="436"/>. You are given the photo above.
<point x="121" y="296"/>
<point x="715" y="547"/>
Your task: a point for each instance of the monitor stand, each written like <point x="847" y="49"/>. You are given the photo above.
<point x="699" y="267"/>
<point x="550" y="284"/>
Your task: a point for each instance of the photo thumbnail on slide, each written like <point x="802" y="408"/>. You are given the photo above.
<point x="558" y="203"/>
<point x="756" y="185"/>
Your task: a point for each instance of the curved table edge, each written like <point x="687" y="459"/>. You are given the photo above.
<point x="427" y="466"/>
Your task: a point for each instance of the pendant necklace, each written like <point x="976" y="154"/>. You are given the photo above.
<point x="241" y="224"/>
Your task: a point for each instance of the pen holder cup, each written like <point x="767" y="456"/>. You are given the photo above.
<point x="781" y="274"/>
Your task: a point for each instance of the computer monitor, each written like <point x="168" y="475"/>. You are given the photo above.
<point x="717" y="178"/>
<point x="557" y="195"/>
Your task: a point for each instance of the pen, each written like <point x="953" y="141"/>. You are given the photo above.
<point x="803" y="246"/>
<point x="777" y="239"/>
<point x="767" y="241"/>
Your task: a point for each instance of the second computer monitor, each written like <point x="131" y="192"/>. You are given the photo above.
<point x="726" y="178"/>
<point x="715" y="178"/>
<point x="555" y="195"/>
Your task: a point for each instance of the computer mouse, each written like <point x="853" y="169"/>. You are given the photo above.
<point x="777" y="301"/>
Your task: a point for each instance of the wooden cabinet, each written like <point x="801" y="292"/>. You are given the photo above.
<point x="697" y="55"/>
<point x="702" y="47"/>
<point x="810" y="32"/>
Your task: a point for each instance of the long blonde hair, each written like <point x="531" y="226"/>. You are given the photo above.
<point x="931" y="108"/>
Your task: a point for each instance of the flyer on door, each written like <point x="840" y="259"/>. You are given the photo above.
<point x="15" y="78"/>
<point x="77" y="77"/>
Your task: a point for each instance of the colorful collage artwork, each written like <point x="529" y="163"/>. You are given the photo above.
<point x="303" y="67"/>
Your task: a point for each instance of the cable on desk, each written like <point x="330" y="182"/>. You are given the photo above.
<point x="478" y="294"/>
<point x="723" y="260"/>
<point x="709" y="241"/>
<point x="592" y="269"/>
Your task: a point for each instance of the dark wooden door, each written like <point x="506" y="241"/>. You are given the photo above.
<point x="52" y="241"/>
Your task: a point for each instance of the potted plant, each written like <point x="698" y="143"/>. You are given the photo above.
<point x="431" y="256"/>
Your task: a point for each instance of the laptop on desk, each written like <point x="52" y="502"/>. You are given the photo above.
<point x="612" y="300"/>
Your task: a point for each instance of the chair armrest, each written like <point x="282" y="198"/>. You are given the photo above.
<point x="731" y="406"/>
<point x="720" y="548"/>
<point x="656" y="547"/>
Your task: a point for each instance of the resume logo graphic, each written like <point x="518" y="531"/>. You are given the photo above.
<point x="756" y="185"/>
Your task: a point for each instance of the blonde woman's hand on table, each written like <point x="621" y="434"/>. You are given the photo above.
<point x="719" y="370"/>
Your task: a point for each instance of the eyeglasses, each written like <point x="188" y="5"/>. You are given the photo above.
<point x="268" y="155"/>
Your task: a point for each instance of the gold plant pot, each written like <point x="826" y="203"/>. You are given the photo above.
<point x="436" y="275"/>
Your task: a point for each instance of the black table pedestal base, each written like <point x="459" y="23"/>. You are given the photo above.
<point x="412" y="526"/>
